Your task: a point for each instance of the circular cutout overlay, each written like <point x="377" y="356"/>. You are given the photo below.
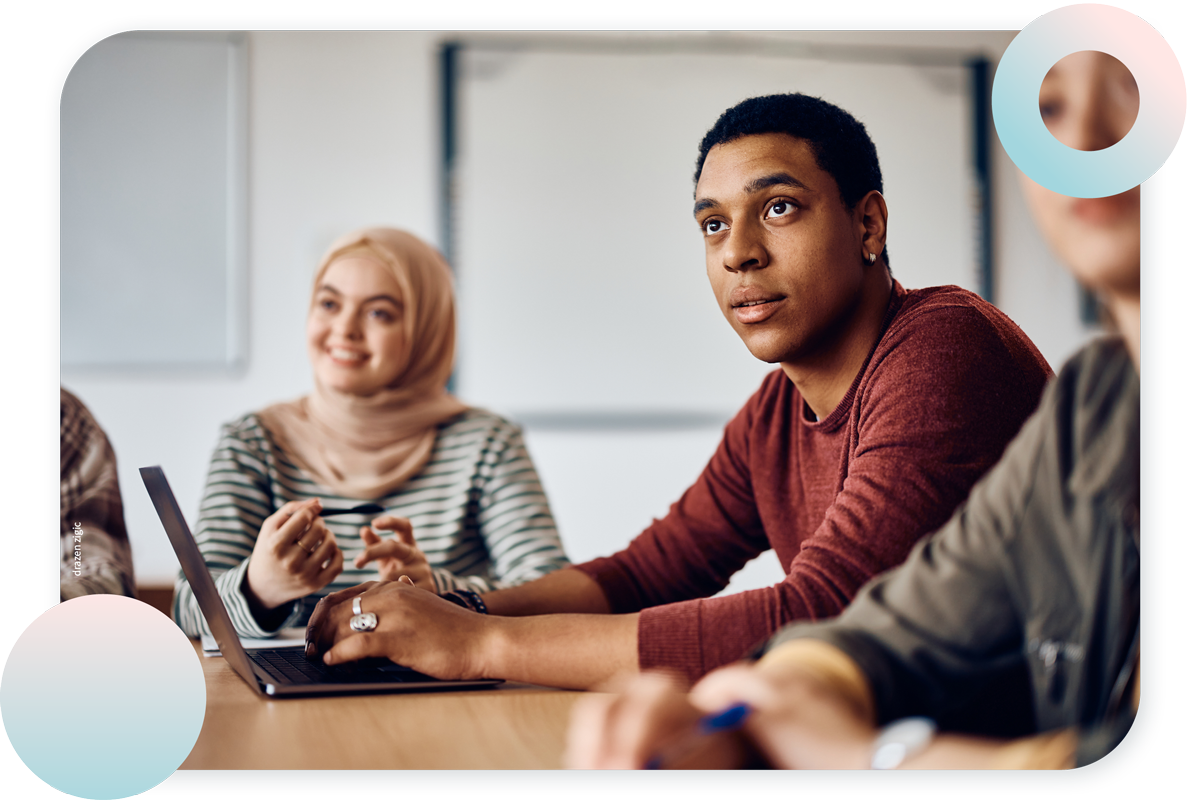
<point x="102" y="697"/>
<point x="1049" y="162"/>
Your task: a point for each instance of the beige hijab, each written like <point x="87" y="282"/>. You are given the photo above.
<point x="366" y="447"/>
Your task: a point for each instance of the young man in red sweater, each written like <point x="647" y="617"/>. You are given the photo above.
<point x="888" y="405"/>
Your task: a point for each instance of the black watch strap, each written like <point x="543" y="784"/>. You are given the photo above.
<point x="467" y="599"/>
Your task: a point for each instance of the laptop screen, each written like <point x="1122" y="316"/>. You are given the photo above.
<point x="196" y="572"/>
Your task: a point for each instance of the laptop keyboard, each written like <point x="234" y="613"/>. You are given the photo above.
<point x="290" y="664"/>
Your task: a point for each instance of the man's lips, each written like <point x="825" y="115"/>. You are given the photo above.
<point x="751" y="305"/>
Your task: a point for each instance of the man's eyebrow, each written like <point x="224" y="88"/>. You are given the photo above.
<point x="774" y="179"/>
<point x="756" y="185"/>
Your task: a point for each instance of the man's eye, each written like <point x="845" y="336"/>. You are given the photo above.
<point x="712" y="226"/>
<point x="779" y="208"/>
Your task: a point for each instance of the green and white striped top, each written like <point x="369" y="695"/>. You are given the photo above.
<point x="477" y="508"/>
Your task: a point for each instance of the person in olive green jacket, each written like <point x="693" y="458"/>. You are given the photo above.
<point x="1040" y="566"/>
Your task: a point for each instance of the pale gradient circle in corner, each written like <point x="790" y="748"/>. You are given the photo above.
<point x="102" y="697"/>
<point x="1161" y="99"/>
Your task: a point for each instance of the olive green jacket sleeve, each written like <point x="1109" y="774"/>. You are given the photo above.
<point x="1038" y="570"/>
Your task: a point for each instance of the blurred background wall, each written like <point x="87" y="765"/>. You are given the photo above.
<point x="611" y="354"/>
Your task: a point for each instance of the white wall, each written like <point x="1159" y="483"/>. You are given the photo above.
<point x="343" y="133"/>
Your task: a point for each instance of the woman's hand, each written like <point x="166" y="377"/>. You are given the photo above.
<point x="395" y="556"/>
<point x="295" y="555"/>
<point x="415" y="629"/>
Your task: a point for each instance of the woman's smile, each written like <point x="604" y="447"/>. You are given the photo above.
<point x="349" y="358"/>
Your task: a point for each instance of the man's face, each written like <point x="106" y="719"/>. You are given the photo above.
<point x="784" y="254"/>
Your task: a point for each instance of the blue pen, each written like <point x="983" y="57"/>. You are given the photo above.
<point x="730" y="719"/>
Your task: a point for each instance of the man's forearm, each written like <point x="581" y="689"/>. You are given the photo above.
<point x="572" y="651"/>
<point x="567" y="591"/>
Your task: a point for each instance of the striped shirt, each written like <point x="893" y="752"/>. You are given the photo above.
<point x="477" y="509"/>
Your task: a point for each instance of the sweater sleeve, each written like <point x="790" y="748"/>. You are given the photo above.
<point x="939" y="400"/>
<point x="513" y="519"/>
<point x="237" y="499"/>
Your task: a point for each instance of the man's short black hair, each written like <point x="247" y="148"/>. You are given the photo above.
<point x="839" y="141"/>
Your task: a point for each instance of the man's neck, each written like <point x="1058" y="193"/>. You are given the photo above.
<point x="1126" y="310"/>
<point x="823" y="378"/>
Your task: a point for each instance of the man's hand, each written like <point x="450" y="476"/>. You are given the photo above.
<point x="415" y="629"/>
<point x="295" y="555"/>
<point x="395" y="556"/>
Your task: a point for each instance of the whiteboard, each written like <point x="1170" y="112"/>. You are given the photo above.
<point x="581" y="270"/>
<point x="152" y="226"/>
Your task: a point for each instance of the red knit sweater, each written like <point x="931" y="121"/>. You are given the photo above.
<point x="950" y="381"/>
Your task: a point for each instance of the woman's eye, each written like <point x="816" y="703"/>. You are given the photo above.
<point x="711" y="226"/>
<point x="327" y="305"/>
<point x="779" y="208"/>
<point x="1050" y="110"/>
<point x="381" y="314"/>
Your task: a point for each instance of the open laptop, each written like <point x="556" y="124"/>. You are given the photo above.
<point x="282" y="671"/>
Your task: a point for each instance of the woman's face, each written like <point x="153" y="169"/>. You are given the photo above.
<point x="1089" y="101"/>
<point x="355" y="330"/>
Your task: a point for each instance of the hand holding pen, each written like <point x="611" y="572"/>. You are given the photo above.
<point x="740" y="716"/>
<point x="695" y="748"/>
<point x="651" y="724"/>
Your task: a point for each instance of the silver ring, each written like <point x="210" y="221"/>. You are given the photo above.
<point x="363" y="622"/>
<point x="356" y="606"/>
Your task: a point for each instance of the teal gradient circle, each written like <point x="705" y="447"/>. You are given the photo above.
<point x="102" y="697"/>
<point x="1161" y="100"/>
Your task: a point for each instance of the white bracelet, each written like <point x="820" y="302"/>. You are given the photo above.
<point x="900" y="741"/>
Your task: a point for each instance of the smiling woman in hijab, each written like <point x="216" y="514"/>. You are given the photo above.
<point x="464" y="509"/>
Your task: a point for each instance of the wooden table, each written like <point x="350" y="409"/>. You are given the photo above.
<point x="511" y="726"/>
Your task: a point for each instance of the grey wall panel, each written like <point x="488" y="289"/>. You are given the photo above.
<point x="153" y="202"/>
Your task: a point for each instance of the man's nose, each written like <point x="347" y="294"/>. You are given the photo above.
<point x="744" y="249"/>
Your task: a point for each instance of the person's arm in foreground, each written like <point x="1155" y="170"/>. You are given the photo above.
<point x="421" y="630"/>
<point x="810" y="708"/>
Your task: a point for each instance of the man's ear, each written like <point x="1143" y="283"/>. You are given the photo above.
<point x="872" y="214"/>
